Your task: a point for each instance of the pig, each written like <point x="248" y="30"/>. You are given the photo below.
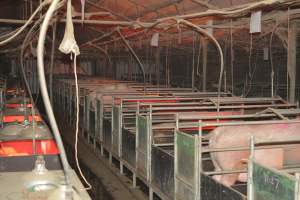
<point x="239" y="136"/>
<point x="117" y="87"/>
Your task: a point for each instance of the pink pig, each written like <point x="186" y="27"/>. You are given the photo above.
<point x="239" y="136"/>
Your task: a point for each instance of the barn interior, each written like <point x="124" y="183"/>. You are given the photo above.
<point x="150" y="99"/>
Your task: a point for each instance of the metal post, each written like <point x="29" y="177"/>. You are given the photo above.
<point x="193" y="64"/>
<point x="297" y="192"/>
<point x="204" y="64"/>
<point x="175" y="160"/>
<point x="134" y="180"/>
<point x="292" y="64"/>
<point x="250" y="189"/>
<point x="111" y="133"/>
<point x="199" y="161"/>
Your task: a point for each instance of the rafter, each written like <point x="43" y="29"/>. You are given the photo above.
<point x="205" y="4"/>
<point x="107" y="9"/>
<point x="157" y="7"/>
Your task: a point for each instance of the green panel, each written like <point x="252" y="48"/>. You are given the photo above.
<point x="97" y="113"/>
<point x="116" y="117"/>
<point x="271" y="185"/>
<point x="142" y="131"/>
<point x="142" y="159"/>
<point x="116" y="127"/>
<point x="186" y="144"/>
<point x="85" y="118"/>
<point x="186" y="160"/>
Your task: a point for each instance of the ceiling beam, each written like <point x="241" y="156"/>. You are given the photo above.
<point x="205" y="4"/>
<point x="107" y="9"/>
<point x="143" y="6"/>
<point x="155" y="8"/>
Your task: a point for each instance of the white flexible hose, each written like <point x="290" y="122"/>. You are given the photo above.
<point x="77" y="127"/>
<point x="44" y="91"/>
<point x="69" y="46"/>
<point x="218" y="46"/>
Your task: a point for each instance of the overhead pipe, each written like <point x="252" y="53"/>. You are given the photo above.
<point x="216" y="43"/>
<point x="133" y="53"/>
<point x="155" y="8"/>
<point x="233" y="11"/>
<point x="52" y="62"/>
<point x="103" y="51"/>
<point x="21" y="29"/>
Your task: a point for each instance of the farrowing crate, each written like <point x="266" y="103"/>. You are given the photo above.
<point x="193" y="181"/>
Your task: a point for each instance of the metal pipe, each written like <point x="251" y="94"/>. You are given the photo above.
<point x="215" y="150"/>
<point x="213" y="39"/>
<point x="52" y="62"/>
<point x="21" y="29"/>
<point x="103" y="51"/>
<point x="231" y="12"/>
<point x="134" y="54"/>
<point x="207" y="124"/>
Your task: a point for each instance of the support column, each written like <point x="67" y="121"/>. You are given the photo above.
<point x="291" y="61"/>
<point x="204" y="64"/>
<point x="157" y="65"/>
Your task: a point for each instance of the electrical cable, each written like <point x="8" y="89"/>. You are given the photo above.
<point x="251" y="75"/>
<point x="198" y="57"/>
<point x="77" y="127"/>
<point x="271" y="59"/>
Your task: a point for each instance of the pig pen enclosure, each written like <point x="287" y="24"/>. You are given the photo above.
<point x="159" y="138"/>
<point x="158" y="99"/>
<point x="192" y="148"/>
<point x="270" y="183"/>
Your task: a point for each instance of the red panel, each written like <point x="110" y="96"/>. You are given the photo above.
<point x="152" y="101"/>
<point x="19" y="118"/>
<point x="205" y="113"/>
<point x="24" y="147"/>
<point x="17" y="105"/>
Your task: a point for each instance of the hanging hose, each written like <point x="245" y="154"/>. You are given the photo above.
<point x="69" y="46"/>
<point x="213" y="39"/>
<point x="24" y="44"/>
<point x="52" y="62"/>
<point x="44" y="91"/>
<point x="103" y="51"/>
<point x="134" y="54"/>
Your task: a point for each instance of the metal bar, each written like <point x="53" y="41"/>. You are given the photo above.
<point x="225" y="172"/>
<point x="214" y="150"/>
<point x="227" y="107"/>
<point x="207" y="124"/>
